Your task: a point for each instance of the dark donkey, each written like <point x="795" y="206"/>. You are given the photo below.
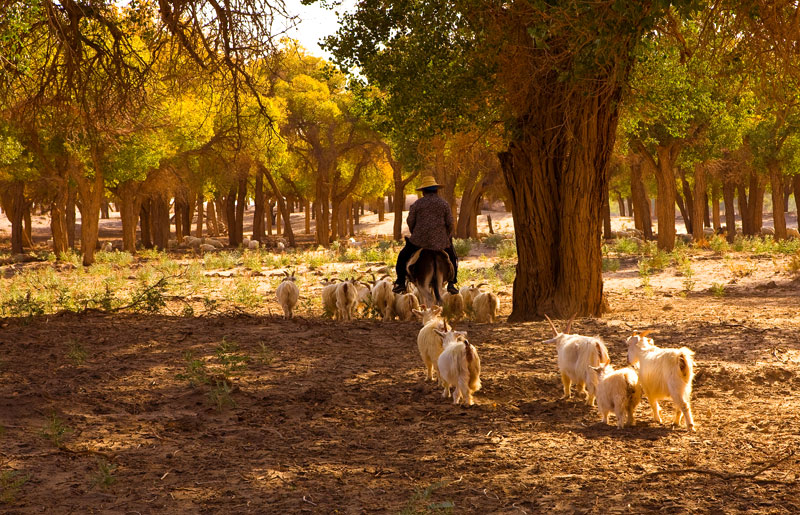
<point x="430" y="270"/>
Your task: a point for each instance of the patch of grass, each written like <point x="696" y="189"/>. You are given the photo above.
<point x="462" y="247"/>
<point x="76" y="353"/>
<point x="55" y="430"/>
<point x="718" y="244"/>
<point x="196" y="370"/>
<point x="244" y="292"/>
<point x="419" y="501"/>
<point x="265" y="355"/>
<point x="71" y="256"/>
<point x="659" y="260"/>
<point x="794" y="263"/>
<point x="610" y="265"/>
<point x="507" y="249"/>
<point x="251" y="259"/>
<point x="220" y="260"/>
<point x="220" y="396"/>
<point x="114" y="258"/>
<point x="741" y="270"/>
<point x="626" y="246"/>
<point x="493" y="241"/>
<point x="104" y="477"/>
<point x="688" y="274"/>
<point x="717" y="289"/>
<point x="11" y="482"/>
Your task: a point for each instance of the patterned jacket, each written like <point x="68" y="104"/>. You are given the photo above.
<point x="431" y="223"/>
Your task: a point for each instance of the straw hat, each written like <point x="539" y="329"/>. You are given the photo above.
<point x="428" y="182"/>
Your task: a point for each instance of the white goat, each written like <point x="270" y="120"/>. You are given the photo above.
<point x="485" y="307"/>
<point x="346" y="300"/>
<point x="363" y="293"/>
<point x="107" y="247"/>
<point x="576" y="356"/>
<point x="329" y="296"/>
<point x="453" y="306"/>
<point x="205" y="247"/>
<point x="664" y="374"/>
<point x="214" y="242"/>
<point x="429" y="342"/>
<point x="404" y="306"/>
<point x="287" y="294"/>
<point x="253" y="245"/>
<point x="469" y="293"/>
<point x="618" y="392"/>
<point x="383" y="299"/>
<point x="459" y="366"/>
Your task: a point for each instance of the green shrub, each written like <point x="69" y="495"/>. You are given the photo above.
<point x="718" y="244"/>
<point x="462" y="247"/>
<point x="507" y="249"/>
<point x="493" y="241"/>
<point x="610" y="265"/>
<point x="626" y="246"/>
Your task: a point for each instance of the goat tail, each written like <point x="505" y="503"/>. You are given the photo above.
<point x="686" y="363"/>
<point x="473" y="366"/>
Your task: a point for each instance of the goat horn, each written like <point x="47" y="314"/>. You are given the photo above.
<point x="569" y="323"/>
<point x="645" y="333"/>
<point x="555" y="331"/>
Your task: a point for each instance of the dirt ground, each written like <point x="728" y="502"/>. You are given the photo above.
<point x="99" y="414"/>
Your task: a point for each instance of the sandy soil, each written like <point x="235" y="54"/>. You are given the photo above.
<point x="337" y="418"/>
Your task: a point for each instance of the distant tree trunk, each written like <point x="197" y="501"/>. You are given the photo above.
<point x="288" y="233"/>
<point x="13" y="198"/>
<point x="620" y="204"/>
<point x="357" y="211"/>
<point x="606" y="214"/>
<point x="756" y="202"/>
<point x="728" y="192"/>
<point x="213" y="220"/>
<point x="700" y="202"/>
<point x="258" y="213"/>
<point x="129" y="211"/>
<point x="230" y="217"/>
<point x="641" y="204"/>
<point x="686" y="202"/>
<point x="159" y="221"/>
<point x="307" y="213"/>
<point x="787" y="191"/>
<point x="665" y="180"/>
<point x="278" y="219"/>
<point x="390" y="201"/>
<point x="178" y="206"/>
<point x="715" y="206"/>
<point x="70" y="215"/>
<point x="27" y="231"/>
<point x="381" y="209"/>
<point x="144" y="224"/>
<point x="58" y="220"/>
<point x="778" y="217"/>
<point x="198" y="232"/>
<point x="104" y="214"/>
<point x="630" y="206"/>
<point x="91" y="192"/>
<point x="270" y="218"/>
<point x="796" y="188"/>
<point x="352" y="210"/>
<point x="241" y="204"/>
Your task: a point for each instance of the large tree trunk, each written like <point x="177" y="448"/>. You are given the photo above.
<point x="641" y="204"/>
<point x="27" y="223"/>
<point x="230" y="217"/>
<point x="700" y="202"/>
<point x="778" y="217"/>
<point x="728" y="193"/>
<point x="13" y="198"/>
<point x="212" y="219"/>
<point x="756" y="202"/>
<point x="556" y="183"/>
<point x="323" y="197"/>
<point x="620" y="204"/>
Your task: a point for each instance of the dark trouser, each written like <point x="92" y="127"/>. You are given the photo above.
<point x="408" y="251"/>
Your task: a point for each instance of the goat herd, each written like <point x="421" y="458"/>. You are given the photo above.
<point x="655" y="372"/>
